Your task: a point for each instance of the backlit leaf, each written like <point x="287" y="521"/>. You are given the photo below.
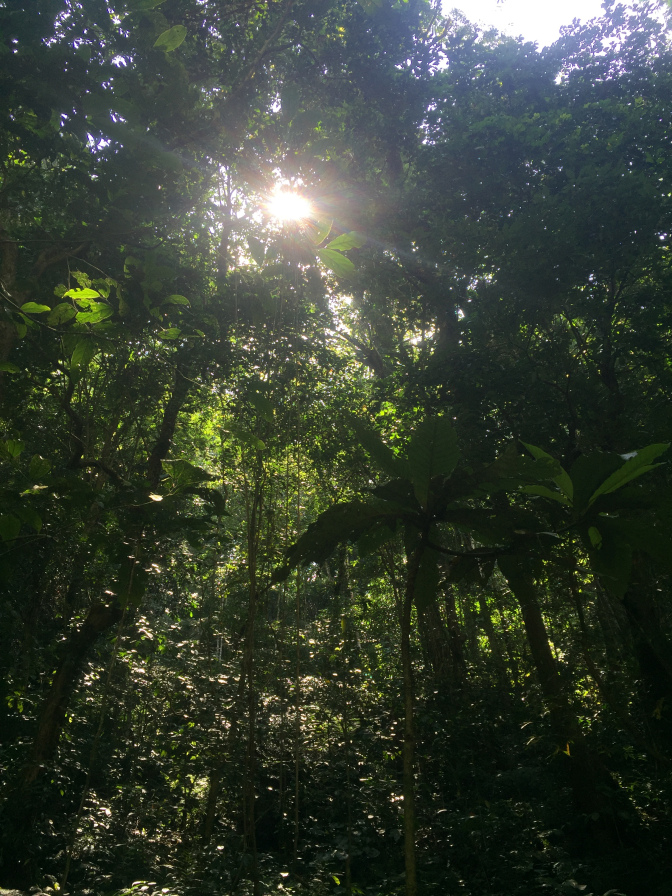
<point x="172" y="38"/>
<point x="34" y="308"/>
<point x="631" y="469"/>
<point x="339" y="264"/>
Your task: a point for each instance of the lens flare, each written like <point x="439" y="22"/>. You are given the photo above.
<point x="285" y="205"/>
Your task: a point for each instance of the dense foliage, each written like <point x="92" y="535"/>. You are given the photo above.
<point x="335" y="554"/>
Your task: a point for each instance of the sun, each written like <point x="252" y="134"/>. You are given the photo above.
<point x="286" y="205"/>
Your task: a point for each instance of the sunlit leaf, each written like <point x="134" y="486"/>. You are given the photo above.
<point x="34" y="308"/>
<point x="339" y="264"/>
<point x="61" y="313"/>
<point x="172" y="38"/>
<point x="560" y="476"/>
<point x="345" y="241"/>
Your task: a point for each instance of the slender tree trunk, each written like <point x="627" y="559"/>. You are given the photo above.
<point x="99" y="619"/>
<point x="654" y="657"/>
<point x="412" y="567"/>
<point x="493" y="641"/>
<point x="594" y="790"/>
<point x="455" y="639"/>
<point x="436" y="644"/>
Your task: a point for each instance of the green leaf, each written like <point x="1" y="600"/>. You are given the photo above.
<point x="545" y="492"/>
<point x="432" y="451"/>
<point x="595" y="537"/>
<point x="34" y="308"/>
<point x="10" y="526"/>
<point x="588" y="472"/>
<point x="61" y="313"/>
<point x="184" y="473"/>
<point x="31" y="517"/>
<point x="172" y="38"/>
<point x="380" y="453"/>
<point x="141" y="5"/>
<point x="375" y="538"/>
<point x="560" y="477"/>
<point x="631" y="469"/>
<point x="175" y="300"/>
<point x="39" y="467"/>
<point x="170" y="333"/>
<point x="11" y="448"/>
<point x="319" y="230"/>
<point x="427" y="580"/>
<point x="340" y="523"/>
<point x="245" y="436"/>
<point x="339" y="264"/>
<point x="345" y="241"/>
<point x="262" y="404"/>
<point x="82" y="354"/>
<point x="8" y="367"/>
<point x="257" y="249"/>
<point x="97" y="311"/>
<point x="78" y="294"/>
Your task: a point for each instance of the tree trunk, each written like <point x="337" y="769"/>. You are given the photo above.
<point x="99" y="619"/>
<point x="436" y="645"/>
<point x="654" y="657"/>
<point x="594" y="791"/>
<point x="413" y="565"/>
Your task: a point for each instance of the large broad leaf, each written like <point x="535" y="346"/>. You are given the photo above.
<point x="171" y="39"/>
<point x="345" y="241"/>
<point x="342" y="522"/>
<point x="34" y="308"/>
<point x="79" y="294"/>
<point x="588" y="472"/>
<point x="98" y="311"/>
<point x="633" y="467"/>
<point x="399" y="492"/>
<point x="382" y="455"/>
<point x="61" y="314"/>
<point x="184" y="473"/>
<point x="318" y="230"/>
<point x="82" y="354"/>
<point x="545" y="492"/>
<point x="141" y="5"/>
<point x="378" y="535"/>
<point x="339" y="264"/>
<point x="559" y="475"/>
<point x="432" y="452"/>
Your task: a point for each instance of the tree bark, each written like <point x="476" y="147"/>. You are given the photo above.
<point x="99" y="619"/>
<point x="594" y="791"/>
<point x="412" y="567"/>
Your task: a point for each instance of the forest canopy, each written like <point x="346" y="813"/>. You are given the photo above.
<point x="335" y="420"/>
